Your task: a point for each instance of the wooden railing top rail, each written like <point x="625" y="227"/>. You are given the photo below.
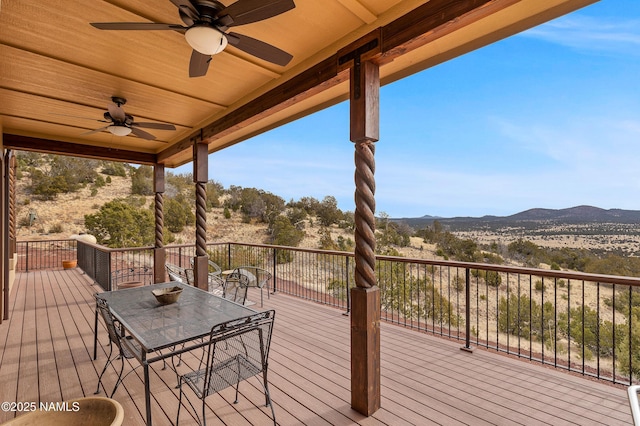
<point x="572" y="275"/>
<point x="115" y="250"/>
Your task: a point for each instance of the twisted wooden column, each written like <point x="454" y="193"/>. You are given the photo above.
<point x="12" y="204"/>
<point x="159" y="218"/>
<point x="364" y="216"/>
<point x="201" y="219"/>
<point x="365" y="297"/>
<point x="200" y="177"/>
<point x="159" y="252"/>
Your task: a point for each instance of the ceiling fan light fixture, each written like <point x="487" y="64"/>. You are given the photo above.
<point x="119" y="130"/>
<point x="206" y="40"/>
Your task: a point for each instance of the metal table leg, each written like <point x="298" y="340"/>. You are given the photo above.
<point x="147" y="394"/>
<point x="95" y="335"/>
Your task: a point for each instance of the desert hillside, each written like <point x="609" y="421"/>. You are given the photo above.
<point x="64" y="217"/>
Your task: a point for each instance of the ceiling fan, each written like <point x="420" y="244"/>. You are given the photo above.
<point x="205" y="28"/>
<point x="122" y="124"/>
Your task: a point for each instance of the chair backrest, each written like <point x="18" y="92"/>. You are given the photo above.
<point x="256" y="277"/>
<point x="216" y="283"/>
<point x="188" y="273"/>
<point x="176" y="273"/>
<point x="262" y="276"/>
<point x="213" y="269"/>
<point x="103" y="307"/>
<point x="239" y="347"/>
<point x="235" y="288"/>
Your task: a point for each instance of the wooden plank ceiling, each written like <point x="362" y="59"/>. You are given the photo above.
<point x="58" y="73"/>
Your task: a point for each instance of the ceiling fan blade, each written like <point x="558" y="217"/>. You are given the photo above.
<point x="142" y="134"/>
<point x="188" y="12"/>
<point x="248" y="11"/>
<point x="199" y="64"/>
<point x="116" y="112"/>
<point x="186" y="19"/>
<point x="259" y="49"/>
<point x="77" y="116"/>
<point x="135" y="26"/>
<point x="158" y="126"/>
<point x="186" y="7"/>
<point x="94" y="131"/>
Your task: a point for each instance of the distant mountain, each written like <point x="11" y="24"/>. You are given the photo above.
<point x="579" y="214"/>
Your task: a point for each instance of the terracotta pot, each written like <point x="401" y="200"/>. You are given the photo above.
<point x="68" y="264"/>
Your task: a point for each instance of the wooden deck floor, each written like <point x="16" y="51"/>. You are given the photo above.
<point x="46" y="355"/>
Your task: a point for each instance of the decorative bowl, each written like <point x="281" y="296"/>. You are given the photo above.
<point x="166" y="296"/>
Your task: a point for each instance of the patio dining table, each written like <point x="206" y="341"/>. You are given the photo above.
<point x="181" y="324"/>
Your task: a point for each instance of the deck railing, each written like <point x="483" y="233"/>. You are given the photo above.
<point x="47" y="254"/>
<point x="110" y="267"/>
<point x="583" y="323"/>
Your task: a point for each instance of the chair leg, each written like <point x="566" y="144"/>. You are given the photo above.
<point x="238" y="383"/>
<point x="195" y="410"/>
<point x="267" y="396"/>
<point x="119" y="377"/>
<point x="204" y="414"/>
<point x="179" y="402"/>
<point x="104" y="369"/>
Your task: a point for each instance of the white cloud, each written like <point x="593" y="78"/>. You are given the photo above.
<point x="593" y="34"/>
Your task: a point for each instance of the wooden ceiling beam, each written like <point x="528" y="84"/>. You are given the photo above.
<point x="400" y="36"/>
<point x="28" y="143"/>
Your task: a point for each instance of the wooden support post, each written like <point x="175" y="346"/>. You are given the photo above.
<point x="4" y="284"/>
<point x="159" y="252"/>
<point x="365" y="350"/>
<point x="200" y="177"/>
<point x="365" y="297"/>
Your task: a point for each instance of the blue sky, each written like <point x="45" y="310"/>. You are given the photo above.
<point x="548" y="118"/>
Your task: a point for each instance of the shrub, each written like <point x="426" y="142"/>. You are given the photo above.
<point x="99" y="182"/>
<point x="112" y="168"/>
<point x="119" y="224"/>
<point x="493" y="278"/>
<point x="326" y="242"/>
<point x="459" y="283"/>
<point x="56" y="229"/>
<point x="328" y="212"/>
<point x="178" y="214"/>
<point x="284" y="233"/>
<point x="142" y="181"/>
<point x="63" y="175"/>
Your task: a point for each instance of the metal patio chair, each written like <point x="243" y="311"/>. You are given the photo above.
<point x="235" y="288"/>
<point x="255" y="277"/>
<point x="180" y="274"/>
<point x="127" y="347"/>
<point x="214" y="277"/>
<point x="237" y="350"/>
